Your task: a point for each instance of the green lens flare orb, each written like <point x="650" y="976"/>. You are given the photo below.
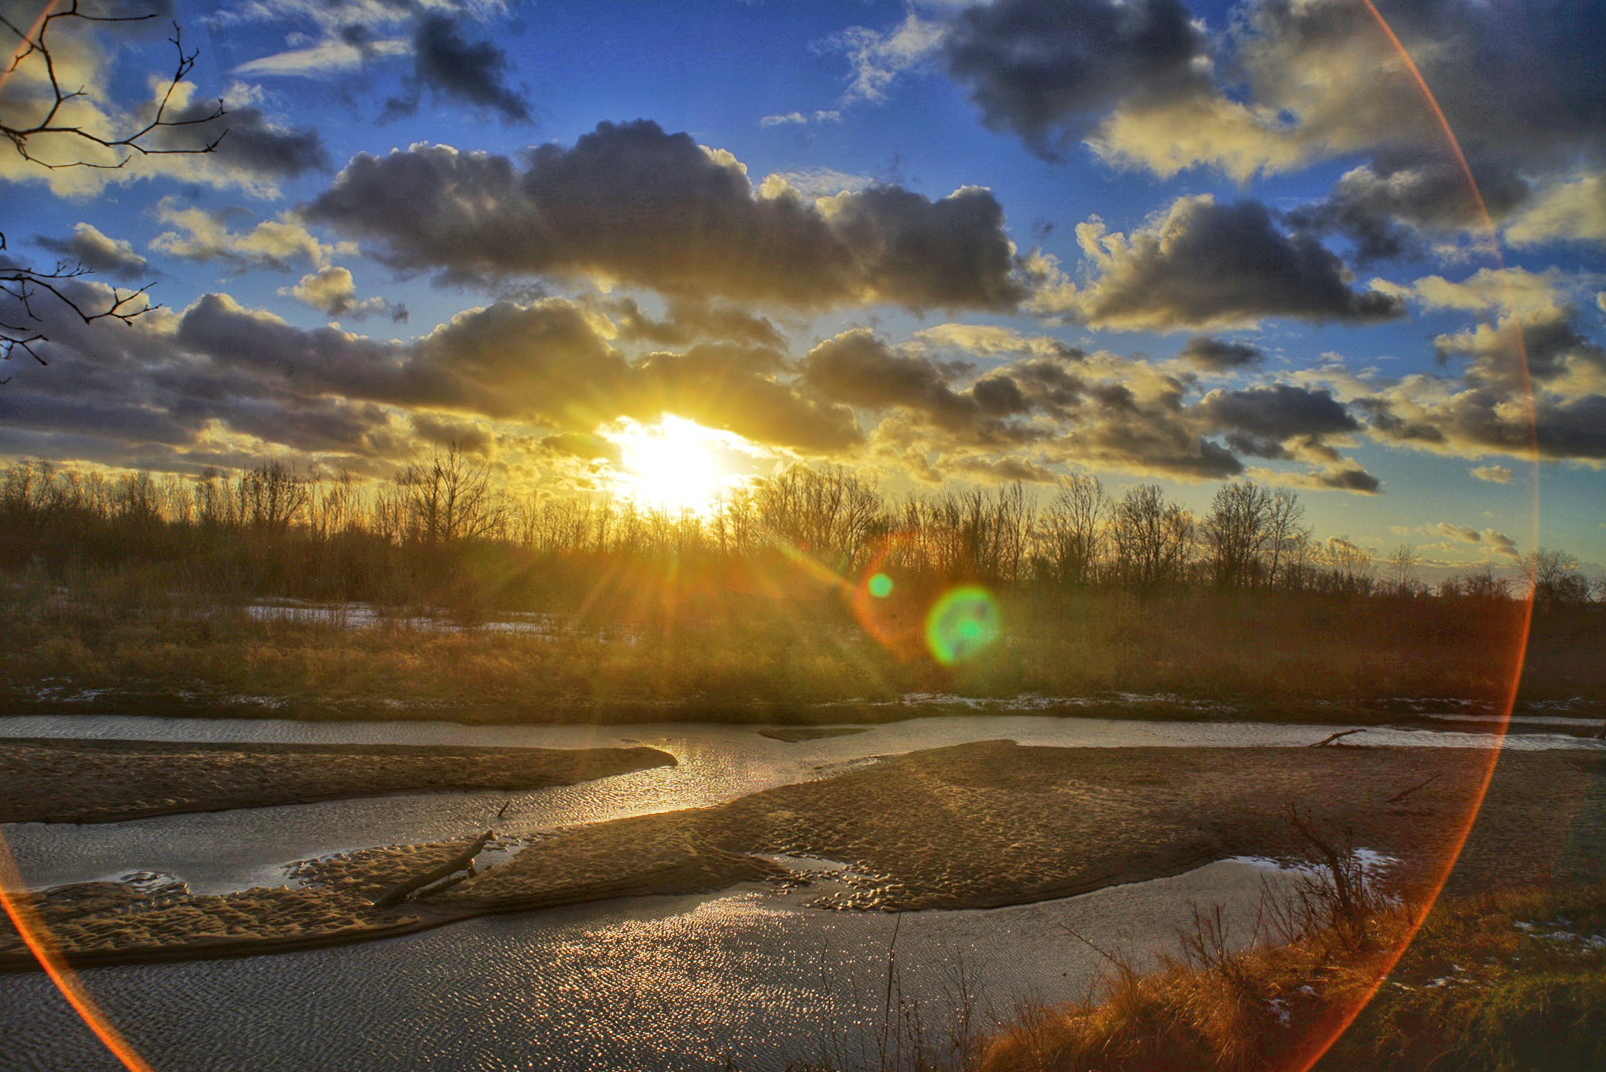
<point x="962" y="624"/>
<point x="881" y="586"/>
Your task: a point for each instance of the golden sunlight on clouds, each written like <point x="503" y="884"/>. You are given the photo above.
<point x="679" y="466"/>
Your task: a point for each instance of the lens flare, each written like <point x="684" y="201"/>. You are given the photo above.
<point x="962" y="624"/>
<point x="880" y="586"/>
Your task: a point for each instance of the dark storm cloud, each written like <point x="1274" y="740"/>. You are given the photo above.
<point x="729" y="387"/>
<point x="1482" y="420"/>
<point x="470" y="72"/>
<point x="249" y="142"/>
<point x="584" y="445"/>
<point x="923" y="253"/>
<point x="1391" y="206"/>
<point x="181" y="379"/>
<point x="632" y="203"/>
<point x="1219" y="355"/>
<point x="1048" y="69"/>
<point x="860" y="369"/>
<point x="1154" y="444"/>
<point x="1546" y="345"/>
<point x="96" y="252"/>
<point x="1356" y="480"/>
<point x="445" y="432"/>
<point x="1280" y="411"/>
<point x="687" y="319"/>
<point x="1211" y="263"/>
<point x="1523" y="89"/>
<point x="1049" y="403"/>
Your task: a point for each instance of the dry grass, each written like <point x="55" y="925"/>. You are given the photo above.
<point x="1512" y="982"/>
<point x="741" y="656"/>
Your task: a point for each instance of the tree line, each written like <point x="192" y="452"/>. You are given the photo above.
<point x="275" y="530"/>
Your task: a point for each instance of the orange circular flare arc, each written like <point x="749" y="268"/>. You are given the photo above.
<point x="1509" y="699"/>
<point x="37" y="938"/>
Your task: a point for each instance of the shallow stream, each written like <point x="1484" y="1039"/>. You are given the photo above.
<point x="750" y="976"/>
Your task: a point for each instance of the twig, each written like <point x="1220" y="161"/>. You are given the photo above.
<point x="1402" y="794"/>
<point x="886" y="1000"/>
<point x="1331" y="738"/>
<point x="1085" y="940"/>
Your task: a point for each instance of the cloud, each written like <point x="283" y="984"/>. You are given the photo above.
<point x="220" y="377"/>
<point x="328" y="57"/>
<point x="633" y="204"/>
<point x="801" y="120"/>
<point x="1205" y="264"/>
<point x="333" y="291"/>
<point x="879" y="58"/>
<point x="1493" y="474"/>
<point x="729" y="387"/>
<point x="228" y="143"/>
<point x="687" y="319"/>
<point x="204" y="236"/>
<point x="1291" y="83"/>
<point x="1439" y="415"/>
<point x="1571" y="209"/>
<point x="255" y="150"/>
<point x="98" y="253"/>
<point x="453" y="68"/>
<point x="1545" y="346"/>
<point x="1057" y="403"/>
<point x="859" y="368"/>
<point x="1506" y="289"/>
<point x="1498" y="542"/>
<point x="1279" y="411"/>
<point x="466" y="436"/>
<point x="1219" y="355"/>
<point x="1389" y="208"/>
<point x="584" y="445"/>
<point x="1047" y="70"/>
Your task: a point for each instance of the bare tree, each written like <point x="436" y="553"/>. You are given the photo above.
<point x="1071" y="531"/>
<point x="1349" y="567"/>
<point x="1476" y="584"/>
<point x="1237" y="533"/>
<point x="449" y="498"/>
<point x="1153" y="538"/>
<point x="30" y="119"/>
<point x="828" y="511"/>
<point x="272" y="497"/>
<point x="1554" y="579"/>
<point x="1401" y="577"/>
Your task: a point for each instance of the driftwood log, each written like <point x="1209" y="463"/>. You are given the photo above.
<point x="461" y="862"/>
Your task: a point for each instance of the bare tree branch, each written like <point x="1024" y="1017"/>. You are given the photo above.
<point x="25" y="285"/>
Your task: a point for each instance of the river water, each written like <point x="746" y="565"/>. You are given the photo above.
<point x="750" y="978"/>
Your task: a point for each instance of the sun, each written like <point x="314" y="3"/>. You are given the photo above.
<point x="677" y="466"/>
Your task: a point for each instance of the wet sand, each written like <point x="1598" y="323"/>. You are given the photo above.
<point x="970" y="826"/>
<point x="91" y="781"/>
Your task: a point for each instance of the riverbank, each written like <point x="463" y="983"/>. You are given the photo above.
<point x="970" y="826"/>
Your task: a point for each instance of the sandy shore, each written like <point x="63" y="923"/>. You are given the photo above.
<point x="993" y="823"/>
<point x="975" y="825"/>
<point x="86" y="781"/>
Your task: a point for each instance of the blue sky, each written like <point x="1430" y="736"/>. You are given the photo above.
<point x="936" y="241"/>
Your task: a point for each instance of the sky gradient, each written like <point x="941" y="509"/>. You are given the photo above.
<point x="937" y="242"/>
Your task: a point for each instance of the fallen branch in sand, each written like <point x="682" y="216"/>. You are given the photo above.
<point x="1332" y="738"/>
<point x="1402" y="794"/>
<point x="461" y="862"/>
